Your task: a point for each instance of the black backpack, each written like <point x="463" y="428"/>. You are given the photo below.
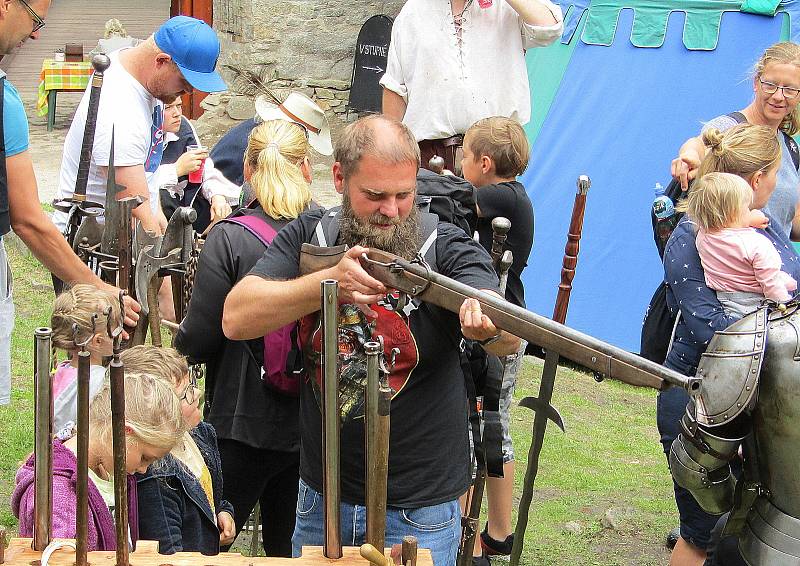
<point x="450" y="198"/>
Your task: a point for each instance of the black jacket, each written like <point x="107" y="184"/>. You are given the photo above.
<point x="237" y="402"/>
<point x="174" y="509"/>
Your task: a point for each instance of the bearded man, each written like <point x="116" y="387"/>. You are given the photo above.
<point x="181" y="55"/>
<point x="377" y="159"/>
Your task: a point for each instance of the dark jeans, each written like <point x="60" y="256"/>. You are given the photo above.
<point x="269" y="477"/>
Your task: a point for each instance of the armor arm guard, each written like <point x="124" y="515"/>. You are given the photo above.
<point x="699" y="462"/>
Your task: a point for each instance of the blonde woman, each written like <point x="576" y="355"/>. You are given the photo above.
<point x="256" y="424"/>
<point x="754" y="154"/>
<point x="776" y="94"/>
<point x="153" y="426"/>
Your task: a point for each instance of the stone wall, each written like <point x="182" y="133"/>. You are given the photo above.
<point x="305" y="45"/>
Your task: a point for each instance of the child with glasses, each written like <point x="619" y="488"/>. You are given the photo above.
<point x="180" y="499"/>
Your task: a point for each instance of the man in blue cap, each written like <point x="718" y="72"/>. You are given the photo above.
<point x="180" y="56"/>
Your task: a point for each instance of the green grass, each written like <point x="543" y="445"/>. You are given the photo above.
<point x="609" y="457"/>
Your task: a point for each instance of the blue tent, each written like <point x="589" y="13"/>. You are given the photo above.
<point x="627" y="84"/>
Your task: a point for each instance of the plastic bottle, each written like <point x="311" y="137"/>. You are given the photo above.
<point x="664" y="211"/>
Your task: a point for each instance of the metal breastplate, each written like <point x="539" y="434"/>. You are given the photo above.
<point x="770" y="536"/>
<point x="730" y="368"/>
<point x="776" y="416"/>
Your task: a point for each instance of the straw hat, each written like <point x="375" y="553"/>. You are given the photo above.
<point x="300" y="109"/>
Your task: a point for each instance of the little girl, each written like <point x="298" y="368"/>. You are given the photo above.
<point x="77" y="306"/>
<point x="740" y="264"/>
<point x="153" y="425"/>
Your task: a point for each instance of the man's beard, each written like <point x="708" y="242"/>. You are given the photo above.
<point x="403" y="239"/>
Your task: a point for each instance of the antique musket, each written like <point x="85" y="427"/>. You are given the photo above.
<point x="419" y="281"/>
<point x="541" y="404"/>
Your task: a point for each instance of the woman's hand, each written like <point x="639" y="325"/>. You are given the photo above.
<point x="227" y="528"/>
<point x="684" y="168"/>
<point x="219" y="208"/>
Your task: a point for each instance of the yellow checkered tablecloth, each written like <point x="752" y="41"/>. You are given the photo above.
<point x="61" y="76"/>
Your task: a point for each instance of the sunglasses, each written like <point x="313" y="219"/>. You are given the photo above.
<point x="38" y="22"/>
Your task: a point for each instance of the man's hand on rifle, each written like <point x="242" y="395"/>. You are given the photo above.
<point x="356" y="285"/>
<point x="477" y="326"/>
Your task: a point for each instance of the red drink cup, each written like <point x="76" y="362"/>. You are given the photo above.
<point x="485" y="3"/>
<point x="197" y="176"/>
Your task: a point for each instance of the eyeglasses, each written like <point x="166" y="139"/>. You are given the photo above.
<point x="38" y="22"/>
<point x="772" y="88"/>
<point x="190" y="393"/>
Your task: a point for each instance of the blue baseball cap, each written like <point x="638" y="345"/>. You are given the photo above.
<point x="194" y="47"/>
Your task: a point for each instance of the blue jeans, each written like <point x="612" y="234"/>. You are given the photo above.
<point x="437" y="527"/>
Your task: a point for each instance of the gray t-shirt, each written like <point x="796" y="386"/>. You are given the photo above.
<point x="783" y="202"/>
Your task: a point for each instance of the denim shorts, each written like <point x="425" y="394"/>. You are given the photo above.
<point x="437" y="527"/>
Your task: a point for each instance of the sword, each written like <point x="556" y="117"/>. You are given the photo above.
<point x="541" y="405"/>
<point x="82" y="485"/>
<point x="469" y="529"/>
<point x="378" y="401"/>
<point x="77" y="207"/>
<point x="117" y="379"/>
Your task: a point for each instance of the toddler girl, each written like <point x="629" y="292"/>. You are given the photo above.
<point x="740" y="264"/>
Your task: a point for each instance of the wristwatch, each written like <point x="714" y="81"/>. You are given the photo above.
<point x="491" y="339"/>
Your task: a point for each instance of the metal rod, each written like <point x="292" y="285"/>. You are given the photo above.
<point x="378" y="401"/>
<point x="43" y="441"/>
<point x="330" y="426"/>
<point x="82" y="484"/>
<point x="117" y="377"/>
<point x="547" y="384"/>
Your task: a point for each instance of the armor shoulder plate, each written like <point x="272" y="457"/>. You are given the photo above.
<point x="730" y="369"/>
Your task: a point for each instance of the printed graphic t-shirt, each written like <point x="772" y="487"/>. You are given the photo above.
<point x="429" y="449"/>
<point x="137" y="120"/>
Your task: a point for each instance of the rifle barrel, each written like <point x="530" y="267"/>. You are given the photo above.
<point x="378" y="400"/>
<point x="590" y="352"/>
<point x="117" y="378"/>
<point x="82" y="485"/>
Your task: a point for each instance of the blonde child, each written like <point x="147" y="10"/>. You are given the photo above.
<point x="740" y="264"/>
<point x="153" y="425"/>
<point x="180" y="499"/>
<point x="496" y="152"/>
<point x="77" y="306"/>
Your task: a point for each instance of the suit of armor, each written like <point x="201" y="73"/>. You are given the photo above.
<point x="749" y="397"/>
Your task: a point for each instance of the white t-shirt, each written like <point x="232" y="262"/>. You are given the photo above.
<point x="449" y="84"/>
<point x="137" y="119"/>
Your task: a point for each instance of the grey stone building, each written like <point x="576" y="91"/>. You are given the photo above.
<point x="307" y="45"/>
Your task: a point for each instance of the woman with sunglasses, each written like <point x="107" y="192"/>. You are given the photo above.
<point x="256" y="423"/>
<point x="776" y="87"/>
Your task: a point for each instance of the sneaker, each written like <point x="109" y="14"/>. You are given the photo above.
<point x="672" y="538"/>
<point x="494" y="547"/>
<point x="482" y="560"/>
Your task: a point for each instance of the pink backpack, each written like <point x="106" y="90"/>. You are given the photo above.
<point x="282" y="366"/>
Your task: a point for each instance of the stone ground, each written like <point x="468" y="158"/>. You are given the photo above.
<point x="46" y="149"/>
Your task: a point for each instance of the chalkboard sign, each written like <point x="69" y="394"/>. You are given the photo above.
<point x="372" y="51"/>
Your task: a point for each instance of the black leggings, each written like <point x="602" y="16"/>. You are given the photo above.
<point x="269" y="477"/>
